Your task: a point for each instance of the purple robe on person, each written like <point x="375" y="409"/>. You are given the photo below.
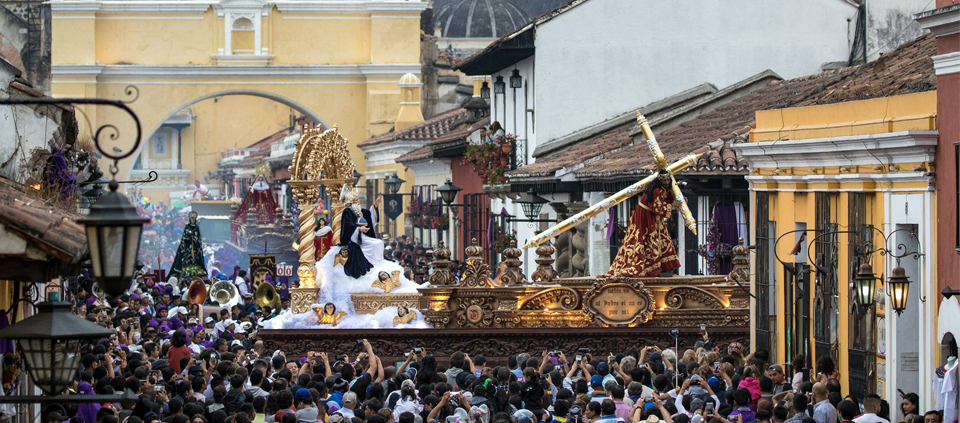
<point x="87" y="410"/>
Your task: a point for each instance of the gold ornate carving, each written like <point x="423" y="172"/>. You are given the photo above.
<point x="545" y="272"/>
<point x="565" y="298"/>
<point x="441" y="267"/>
<point x="464" y="318"/>
<point x="618" y="302"/>
<point x="476" y="273"/>
<point x="509" y="304"/>
<point x="371" y="303"/>
<point x="676" y="297"/>
<point x="302" y="298"/>
<point x="512" y="275"/>
<point x="741" y="264"/>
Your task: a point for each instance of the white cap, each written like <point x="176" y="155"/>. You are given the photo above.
<point x="208" y="320"/>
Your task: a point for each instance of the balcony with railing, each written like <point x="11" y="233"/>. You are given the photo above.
<point x="284" y="147"/>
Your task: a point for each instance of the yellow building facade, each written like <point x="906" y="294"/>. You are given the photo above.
<point x="338" y="63"/>
<point x="832" y="186"/>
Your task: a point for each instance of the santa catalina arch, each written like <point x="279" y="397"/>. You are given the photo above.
<point x="334" y="62"/>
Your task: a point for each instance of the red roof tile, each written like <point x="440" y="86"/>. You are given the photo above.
<point x="430" y="129"/>
<point x="54" y="232"/>
<point x="458" y="135"/>
<point x="908" y="69"/>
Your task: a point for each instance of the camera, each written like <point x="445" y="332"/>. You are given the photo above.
<point x="675" y="333"/>
<point x="341" y="357"/>
<point x="584" y="350"/>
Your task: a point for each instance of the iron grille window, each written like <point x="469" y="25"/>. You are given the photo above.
<point x="861" y="355"/>
<point x="825" y="296"/>
<point x="763" y="271"/>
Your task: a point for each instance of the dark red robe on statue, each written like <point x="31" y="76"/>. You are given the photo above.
<point x="322" y="241"/>
<point x="260" y="199"/>
<point x="647" y="249"/>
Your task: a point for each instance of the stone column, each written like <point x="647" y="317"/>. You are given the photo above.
<point x="307" y="293"/>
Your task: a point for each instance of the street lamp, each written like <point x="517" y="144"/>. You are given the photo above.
<point x="113" y="237"/>
<point x="531" y="204"/>
<point x="499" y="87"/>
<point x="865" y="285"/>
<point x="448" y="192"/>
<point x="898" y="286"/>
<point x="515" y="80"/>
<point x="393" y="184"/>
<point x="485" y="90"/>
<point x="44" y="339"/>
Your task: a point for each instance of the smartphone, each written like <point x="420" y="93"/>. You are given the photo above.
<point x="359" y="341"/>
<point x="579" y="357"/>
<point x="197" y="362"/>
<point x="703" y="328"/>
<point x="341" y="357"/>
<point x="716" y="366"/>
<point x="584" y="350"/>
<point x="418" y="350"/>
<point x="709" y="409"/>
<point x="316" y="354"/>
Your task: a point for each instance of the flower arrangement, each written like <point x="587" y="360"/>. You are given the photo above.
<point x="491" y="158"/>
<point x="503" y="240"/>
<point x="427" y="215"/>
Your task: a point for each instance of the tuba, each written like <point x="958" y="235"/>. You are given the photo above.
<point x="225" y="293"/>
<point x="197" y="293"/>
<point x="267" y="295"/>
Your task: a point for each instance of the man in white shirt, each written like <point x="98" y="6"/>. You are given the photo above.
<point x="871" y="406"/>
<point x="199" y="191"/>
<point x="242" y="284"/>
<point x="349" y="404"/>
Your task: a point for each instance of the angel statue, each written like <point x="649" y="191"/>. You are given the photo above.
<point x="328" y="314"/>
<point x="404" y="316"/>
<point x="358" y="235"/>
<point x="387" y="282"/>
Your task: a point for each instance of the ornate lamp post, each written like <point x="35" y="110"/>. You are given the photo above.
<point x="531" y="204"/>
<point x="448" y="192"/>
<point x="865" y="285"/>
<point x="898" y="286"/>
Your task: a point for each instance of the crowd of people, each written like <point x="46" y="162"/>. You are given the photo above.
<point x="187" y="367"/>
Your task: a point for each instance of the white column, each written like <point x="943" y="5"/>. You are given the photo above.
<point x="172" y="148"/>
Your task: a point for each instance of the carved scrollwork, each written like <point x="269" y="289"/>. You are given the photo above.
<point x="475" y="312"/>
<point x="567" y="298"/>
<point x="675" y="298"/>
<point x="322" y="154"/>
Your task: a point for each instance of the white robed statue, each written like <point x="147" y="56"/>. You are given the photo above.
<point x="358" y="235"/>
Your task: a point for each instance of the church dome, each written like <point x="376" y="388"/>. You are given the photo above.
<point x="409" y="80"/>
<point x="479" y="18"/>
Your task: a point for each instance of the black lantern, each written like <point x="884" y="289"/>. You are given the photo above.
<point x="865" y="285"/>
<point x="113" y="237"/>
<point x="448" y="192"/>
<point x="531" y="203"/>
<point x="485" y="90"/>
<point x="898" y="286"/>
<point x="515" y="80"/>
<point x="393" y="183"/>
<point x="44" y="343"/>
<point x="499" y="87"/>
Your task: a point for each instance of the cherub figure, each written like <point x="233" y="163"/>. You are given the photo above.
<point x="386" y="282"/>
<point x="328" y="314"/>
<point x="404" y="316"/>
<point x="341" y="257"/>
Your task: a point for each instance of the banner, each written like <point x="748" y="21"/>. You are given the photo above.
<point x="392" y="205"/>
<point x="262" y="265"/>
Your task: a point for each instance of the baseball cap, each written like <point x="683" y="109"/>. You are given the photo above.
<point x="192" y="321"/>
<point x="596" y="381"/>
<point x="303" y="395"/>
<point x="713" y="382"/>
<point x="603" y="368"/>
<point x="54" y="416"/>
<point x="350" y="397"/>
<point x="775" y="368"/>
<point x="208" y="320"/>
<point x="656" y="356"/>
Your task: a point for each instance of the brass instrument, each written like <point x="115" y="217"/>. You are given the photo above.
<point x="225" y="293"/>
<point x="197" y="292"/>
<point x="266" y="295"/>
